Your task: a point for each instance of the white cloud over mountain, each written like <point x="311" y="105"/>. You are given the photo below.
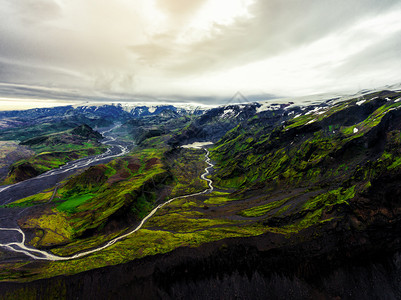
<point x="200" y="47"/>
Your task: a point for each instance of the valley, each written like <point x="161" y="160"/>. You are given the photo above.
<point x="250" y="195"/>
<point x="42" y="255"/>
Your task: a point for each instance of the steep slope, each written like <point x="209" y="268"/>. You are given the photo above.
<point x="148" y="127"/>
<point x="337" y="166"/>
<point x="317" y="142"/>
<point x="11" y="152"/>
<point x="216" y="122"/>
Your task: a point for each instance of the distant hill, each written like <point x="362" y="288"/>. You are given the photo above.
<point x="76" y="136"/>
<point x="54" y="150"/>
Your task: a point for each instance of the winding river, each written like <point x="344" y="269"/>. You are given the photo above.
<point x="36" y="254"/>
<point x="13" y="192"/>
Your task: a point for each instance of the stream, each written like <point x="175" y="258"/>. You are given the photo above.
<point x="7" y="233"/>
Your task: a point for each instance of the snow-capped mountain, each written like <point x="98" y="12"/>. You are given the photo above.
<point x="113" y="110"/>
<point x="138" y="110"/>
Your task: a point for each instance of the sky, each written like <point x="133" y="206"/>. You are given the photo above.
<point x="66" y="50"/>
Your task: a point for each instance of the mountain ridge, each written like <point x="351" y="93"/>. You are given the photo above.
<point x="305" y="196"/>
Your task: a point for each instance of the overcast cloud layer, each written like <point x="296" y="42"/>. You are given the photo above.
<point x="197" y="48"/>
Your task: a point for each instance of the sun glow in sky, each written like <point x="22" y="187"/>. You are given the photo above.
<point x="221" y="12"/>
<point x="200" y="48"/>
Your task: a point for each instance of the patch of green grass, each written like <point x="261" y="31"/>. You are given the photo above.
<point x="51" y="228"/>
<point x="338" y="196"/>
<point x="372" y="120"/>
<point x="261" y="210"/>
<point x="282" y="210"/>
<point x="301" y="121"/>
<point x="143" y="204"/>
<point x="215" y="200"/>
<point x="71" y="204"/>
<point x="43" y="149"/>
<point x="179" y="222"/>
<point x="31" y="201"/>
<point x="396" y="163"/>
<point x="315" y="207"/>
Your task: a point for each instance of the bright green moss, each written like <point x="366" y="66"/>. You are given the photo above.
<point x="396" y="163"/>
<point x="309" y="220"/>
<point x="300" y="121"/>
<point x="261" y="210"/>
<point x="282" y="210"/>
<point x="71" y="204"/>
<point x="372" y="120"/>
<point x="32" y="200"/>
<point x="338" y="196"/>
<point x="218" y="200"/>
<point x="177" y="222"/>
<point x="52" y="228"/>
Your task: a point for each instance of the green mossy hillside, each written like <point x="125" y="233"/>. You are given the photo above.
<point x="324" y="147"/>
<point x="54" y="150"/>
<point x="41" y="163"/>
<point x="77" y="138"/>
<point x="103" y="197"/>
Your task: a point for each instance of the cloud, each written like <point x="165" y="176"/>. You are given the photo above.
<point x="151" y="54"/>
<point x="180" y="9"/>
<point x="31" y="12"/>
<point x="199" y="47"/>
<point x="276" y="27"/>
<point x="378" y="64"/>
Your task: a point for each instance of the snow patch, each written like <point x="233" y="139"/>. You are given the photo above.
<point x="267" y="107"/>
<point x="359" y="103"/>
<point x="317" y="110"/>
<point x="197" y="145"/>
<point x="394" y="108"/>
<point x="227" y="113"/>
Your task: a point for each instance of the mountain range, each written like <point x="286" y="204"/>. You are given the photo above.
<point x="303" y="201"/>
